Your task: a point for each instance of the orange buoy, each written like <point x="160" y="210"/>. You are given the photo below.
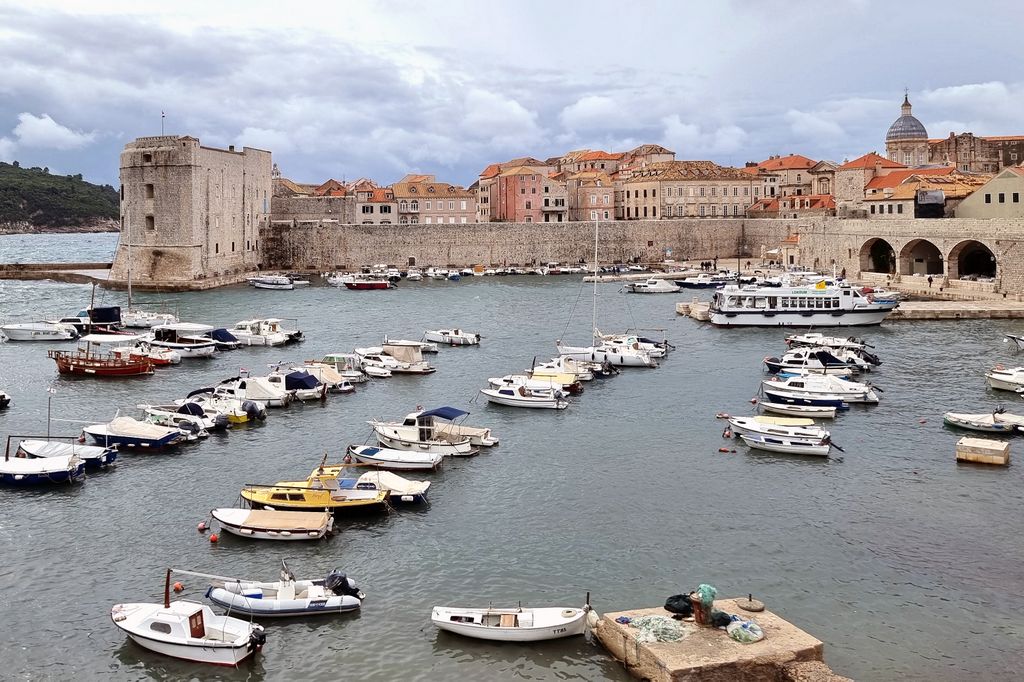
<point x="201" y="527"/>
<point x="723" y="449"/>
<point x="753" y="401"/>
<point x="178" y="587"/>
<point x="214" y="537"/>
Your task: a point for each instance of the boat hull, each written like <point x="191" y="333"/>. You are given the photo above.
<point x="835" y="318"/>
<point x="382" y="459"/>
<point x="188" y="350"/>
<point x="1003" y="383"/>
<point x="497" y="398"/>
<point x="562" y="627"/>
<point x="788" y="447"/>
<point x="464" y="449"/>
<point x="281" y="608"/>
<point x="815" y="411"/>
<point x="19" y="472"/>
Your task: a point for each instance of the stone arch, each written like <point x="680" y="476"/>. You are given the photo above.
<point x="824" y="186"/>
<point x="877" y="255"/>
<point x="971" y="258"/>
<point x="921" y="257"/>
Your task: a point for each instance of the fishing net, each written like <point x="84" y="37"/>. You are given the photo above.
<point x="658" y="629"/>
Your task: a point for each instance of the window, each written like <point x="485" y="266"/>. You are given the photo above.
<point x="367" y="209"/>
<point x="403" y="206"/>
<point x="1002" y="198"/>
<point x="161" y="627"/>
<point x="906" y="158"/>
<point x="735" y="209"/>
<point x="890" y="209"/>
<point x="547" y="202"/>
<point x="593" y="215"/>
<point x="533" y="190"/>
<point x="988" y="198"/>
<point x="414" y="206"/>
<point x="529" y="219"/>
<point x="593" y="198"/>
<point x="147" y="158"/>
<point x="232" y="247"/>
<point x="872" y="208"/>
<point x="403" y="220"/>
<point x="899" y="208"/>
<point x="645" y="211"/>
<point x="522" y="190"/>
<point x="702" y="210"/>
<point x="529" y="205"/>
<point x="462" y="205"/>
<point x="735" y="191"/>
<point x="216" y="247"/>
<point x="385" y="209"/>
<point x="149" y="191"/>
<point x="668" y="191"/>
<point x="606" y="215"/>
<point x="798" y="177"/>
<point x="645" y="194"/>
<point x="604" y="200"/>
<point x="654" y="211"/>
<point x="547" y="189"/>
<point x="415" y="220"/>
<point x="680" y="210"/>
<point x="150" y="223"/>
<point x="702" y="191"/>
<point x="427" y="221"/>
<point x="426" y="205"/>
<point x="1016" y="197"/>
<point x="463" y="220"/>
<point x="451" y="219"/>
<point x="714" y="211"/>
<point x="654" y="192"/>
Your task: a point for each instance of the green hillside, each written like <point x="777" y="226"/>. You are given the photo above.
<point x="34" y="196"/>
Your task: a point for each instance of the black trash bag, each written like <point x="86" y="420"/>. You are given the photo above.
<point x="720" y="619"/>
<point x="679" y="603"/>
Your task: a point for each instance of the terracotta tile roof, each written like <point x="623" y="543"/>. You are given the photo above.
<point x="767" y="204"/>
<point x="1004" y="138"/>
<point x="421" y="190"/>
<point x="791" y="162"/>
<point x="955" y="184"/>
<point x="1017" y="170"/>
<point x="331" y="188"/>
<point x="490" y="171"/>
<point x="688" y="170"/>
<point x="523" y="170"/>
<point x="382" y="195"/>
<point x="599" y="155"/>
<point x="896" y="177"/>
<point x="649" y="149"/>
<point x="413" y="177"/>
<point x="523" y="161"/>
<point x="293" y="187"/>
<point x="869" y="161"/>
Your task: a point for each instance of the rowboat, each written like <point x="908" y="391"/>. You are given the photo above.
<point x="816" y="411"/>
<point x="265" y="524"/>
<point x="398" y="460"/>
<point x="523" y="397"/>
<point x="512" y="625"/>
<point x="131" y="433"/>
<point x="37" y="471"/>
<point x="998" y="421"/>
<point x="337" y="593"/>
<point x="789" y="446"/>
<point x="770" y="426"/>
<point x="189" y="631"/>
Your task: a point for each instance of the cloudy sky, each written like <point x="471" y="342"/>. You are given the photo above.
<point x="379" y="89"/>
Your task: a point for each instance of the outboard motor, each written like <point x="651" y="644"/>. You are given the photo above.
<point x="257" y="638"/>
<point x="340" y="584"/>
<point x="253" y="410"/>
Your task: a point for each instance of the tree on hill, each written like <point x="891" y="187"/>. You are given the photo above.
<point x="34" y="196"/>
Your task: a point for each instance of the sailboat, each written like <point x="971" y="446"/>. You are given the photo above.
<point x="133" y="317"/>
<point x="620" y="355"/>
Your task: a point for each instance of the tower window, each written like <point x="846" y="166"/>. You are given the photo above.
<point x="150" y="223"/>
<point x="147" y="158"/>
<point x="149" y="191"/>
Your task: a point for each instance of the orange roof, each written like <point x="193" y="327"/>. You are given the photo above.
<point x="382" y="195"/>
<point x="331" y="188"/>
<point x="791" y="162"/>
<point x="869" y="161"/>
<point x="1003" y="138"/>
<point x="797" y="202"/>
<point x="490" y="171"/>
<point x="750" y="170"/>
<point x="599" y="155"/>
<point x="769" y="204"/>
<point x="1018" y="170"/>
<point x="896" y="177"/>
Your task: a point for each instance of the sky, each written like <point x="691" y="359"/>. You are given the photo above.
<point x="381" y="89"/>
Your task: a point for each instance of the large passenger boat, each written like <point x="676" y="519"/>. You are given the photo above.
<point x="818" y="304"/>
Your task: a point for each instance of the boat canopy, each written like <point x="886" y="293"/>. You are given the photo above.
<point x="193" y="409"/>
<point x="300" y="380"/>
<point x="449" y="413"/>
<point x="107" y="315"/>
<point x="110" y="338"/>
<point x="223" y="335"/>
<point x="187" y="327"/>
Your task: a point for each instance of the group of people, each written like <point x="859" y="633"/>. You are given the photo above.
<point x="709" y="266"/>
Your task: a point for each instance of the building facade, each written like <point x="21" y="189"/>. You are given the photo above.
<point x="1000" y="197"/>
<point x="591" y="195"/>
<point x="678" y="189"/>
<point x="190" y="212"/>
<point x="423" y="200"/>
<point x="792" y="175"/>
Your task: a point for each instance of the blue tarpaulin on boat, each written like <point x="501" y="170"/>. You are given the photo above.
<point x="300" y="380"/>
<point x="223" y="335"/>
<point x="444" y="413"/>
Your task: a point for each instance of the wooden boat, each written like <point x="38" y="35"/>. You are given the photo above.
<point x="816" y="411"/>
<point x="42" y="447"/>
<point x="321" y="490"/>
<point x="523" y="397"/>
<point x="265" y="524"/>
<point x="337" y="593"/>
<point x="131" y="433"/>
<point x="769" y="426"/>
<point x="23" y="471"/>
<point x="89" y="360"/>
<point x="398" y="460"/>
<point x="994" y="422"/>
<point x="789" y="446"/>
<point x="188" y="630"/>
<point x="512" y="625"/>
<point x="452" y="337"/>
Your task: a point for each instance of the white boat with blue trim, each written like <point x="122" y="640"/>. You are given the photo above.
<point x="818" y="304"/>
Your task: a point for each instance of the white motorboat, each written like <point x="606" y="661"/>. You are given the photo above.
<point x="452" y="337"/>
<point x="236" y="410"/>
<point x="777" y="426"/>
<point x="1006" y="379"/>
<point x="267" y="524"/>
<point x="337" y="593"/>
<point x="424" y="346"/>
<point x="656" y="349"/>
<point x="796" y="306"/>
<point x="652" y="286"/>
<point x="258" y="333"/>
<point x="815" y="411"/>
<point x="514" y="624"/>
<point x="817" y="339"/>
<point x="399" y="460"/>
<point x="544" y="398"/>
<point x="997" y="421"/>
<point x="437" y="273"/>
<point x="94" y="457"/>
<point x="39" y="331"/>
<point x="142" y="350"/>
<point x="399" y="489"/>
<point x="132" y="433"/>
<point x="299" y="383"/>
<point x="348" y="365"/>
<point x="189" y="631"/>
<point x="1018" y="341"/>
<point x="811" y="360"/>
<point x="272" y="282"/>
<point x="189" y="339"/>
<point x="144" y="319"/>
<point x="259" y="390"/>
<point x="396" y="357"/>
<point x="562" y="366"/>
<point x="189" y="417"/>
<point x="375" y="369"/>
<point x="820" y="389"/>
<point x="23" y="471"/>
<point x="429" y="430"/>
<point x="615" y="355"/>
<point x="326" y="375"/>
<point x="789" y="446"/>
<point x="564" y="382"/>
<point x="414" y="275"/>
<point x="701" y="281"/>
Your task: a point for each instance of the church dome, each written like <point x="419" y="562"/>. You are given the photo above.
<point x="906" y="127"/>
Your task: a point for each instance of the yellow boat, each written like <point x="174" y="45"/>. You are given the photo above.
<point x="322" y="490"/>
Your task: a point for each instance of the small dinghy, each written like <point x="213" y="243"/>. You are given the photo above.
<point x="789" y="446"/>
<point x="401" y="460"/>
<point x="814" y="411"/>
<point x="998" y="421"/>
<point x="39" y="471"/>
<point x="819" y="339"/>
<point x="452" y="337"/>
<point x="512" y="625"/>
<point x="188" y="630"/>
<point x="131" y="433"/>
<point x="337" y="593"/>
<point x="399" y="489"/>
<point x="94" y="457"/>
<point x="524" y="397"/>
<point x="266" y="524"/>
<point x="770" y="426"/>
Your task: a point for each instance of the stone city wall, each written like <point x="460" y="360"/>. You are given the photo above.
<point x="326" y="246"/>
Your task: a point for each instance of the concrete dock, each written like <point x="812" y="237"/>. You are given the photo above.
<point x="711" y="655"/>
<point x="992" y="309"/>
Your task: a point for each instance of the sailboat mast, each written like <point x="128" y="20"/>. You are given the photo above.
<point x="593" y="325"/>
<point x="129" y="230"/>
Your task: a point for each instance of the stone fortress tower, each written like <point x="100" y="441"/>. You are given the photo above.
<point x="906" y="141"/>
<point x="190" y="215"/>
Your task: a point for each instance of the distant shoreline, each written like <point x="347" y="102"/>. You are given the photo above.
<point x="20" y="228"/>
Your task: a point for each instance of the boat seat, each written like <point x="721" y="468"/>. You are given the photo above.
<point x="287" y="591"/>
<point x="508" y="620"/>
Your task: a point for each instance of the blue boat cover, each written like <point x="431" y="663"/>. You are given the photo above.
<point x="448" y="413"/>
<point x="108" y="315"/>
<point x="300" y="380"/>
<point x="223" y="335"/>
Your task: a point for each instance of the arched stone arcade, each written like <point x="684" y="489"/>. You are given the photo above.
<point x="877" y="255"/>
<point x="921" y="257"/>
<point x="971" y="258"/>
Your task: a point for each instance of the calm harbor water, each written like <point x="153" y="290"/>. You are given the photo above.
<point x="905" y="564"/>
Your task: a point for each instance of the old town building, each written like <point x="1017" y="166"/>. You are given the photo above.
<point x="423" y="200"/>
<point x="1000" y="197"/>
<point x="920" y="193"/>
<point x="688" y="189"/>
<point x="791" y="173"/>
<point x="590" y="195"/>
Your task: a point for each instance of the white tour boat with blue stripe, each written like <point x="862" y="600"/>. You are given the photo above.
<point x="818" y="304"/>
